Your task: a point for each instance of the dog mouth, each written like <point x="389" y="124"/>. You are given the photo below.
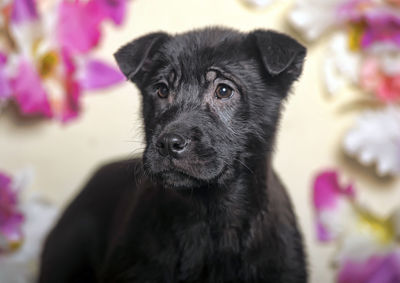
<point x="183" y="173"/>
<point x="179" y="179"/>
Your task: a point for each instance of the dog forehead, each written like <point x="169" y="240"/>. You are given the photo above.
<point x="191" y="54"/>
<point x="203" y="44"/>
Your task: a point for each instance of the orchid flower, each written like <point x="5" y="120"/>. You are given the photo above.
<point x="49" y="65"/>
<point x="332" y="204"/>
<point x="11" y="218"/>
<point x="368" y="249"/>
<point x="22" y="265"/>
<point x="371" y="22"/>
<point x="376" y="139"/>
<point x="374" y="78"/>
<point x="24" y="223"/>
<point x="5" y="88"/>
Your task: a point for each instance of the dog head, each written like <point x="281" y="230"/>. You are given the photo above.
<point x="211" y="99"/>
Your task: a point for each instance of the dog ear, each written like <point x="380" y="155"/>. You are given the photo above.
<point x="280" y="53"/>
<point x="133" y="57"/>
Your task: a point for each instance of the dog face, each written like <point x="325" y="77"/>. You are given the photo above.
<point x="211" y="99"/>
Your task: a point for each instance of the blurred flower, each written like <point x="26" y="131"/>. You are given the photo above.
<point x="341" y="65"/>
<point x="314" y="17"/>
<point x="376" y="269"/>
<point x="11" y="218"/>
<point x="374" y="79"/>
<point x="376" y="139"/>
<point x="368" y="251"/>
<point x="5" y="88"/>
<point x="22" y="265"/>
<point x="48" y="64"/>
<point x="24" y="223"/>
<point x="373" y="21"/>
<point x="331" y="203"/>
<point x="28" y="90"/>
<point x="366" y="53"/>
<point x="78" y="23"/>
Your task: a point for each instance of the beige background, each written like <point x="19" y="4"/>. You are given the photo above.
<point x="311" y="131"/>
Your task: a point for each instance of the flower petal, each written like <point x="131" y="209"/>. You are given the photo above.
<point x="381" y="27"/>
<point x="5" y="88"/>
<point x="376" y="139"/>
<point x="29" y="92"/>
<point x="24" y="11"/>
<point x="78" y="25"/>
<point x="113" y="9"/>
<point x="327" y="190"/>
<point x="331" y="204"/>
<point x="71" y="104"/>
<point x="376" y="269"/>
<point x="96" y="74"/>
<point x="67" y="106"/>
<point x="314" y="17"/>
<point x="10" y="217"/>
<point x="370" y="76"/>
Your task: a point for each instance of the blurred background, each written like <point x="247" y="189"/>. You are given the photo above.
<point x="65" y="109"/>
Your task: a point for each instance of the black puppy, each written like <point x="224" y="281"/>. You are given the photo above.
<point x="204" y="204"/>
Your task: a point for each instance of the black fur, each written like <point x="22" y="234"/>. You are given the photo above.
<point x="204" y="204"/>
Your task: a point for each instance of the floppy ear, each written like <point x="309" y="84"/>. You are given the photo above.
<point x="133" y="57"/>
<point x="280" y="53"/>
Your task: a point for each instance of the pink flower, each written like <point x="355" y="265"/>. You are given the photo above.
<point x="5" y="88"/>
<point x="327" y="190"/>
<point x="389" y="89"/>
<point x="375" y="269"/>
<point x="329" y="199"/>
<point x="69" y="107"/>
<point x="368" y="251"/>
<point x="381" y="27"/>
<point x="113" y="9"/>
<point x="96" y="75"/>
<point x="10" y="217"/>
<point x="372" y="78"/>
<point x="24" y="10"/>
<point x="29" y="92"/>
<point x="378" y="22"/>
<point x="78" y="25"/>
<point x="57" y="53"/>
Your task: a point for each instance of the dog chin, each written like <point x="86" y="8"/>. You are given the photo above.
<point x="178" y="180"/>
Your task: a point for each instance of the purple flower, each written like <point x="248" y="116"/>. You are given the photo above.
<point x="29" y="92"/>
<point x="10" y="217"/>
<point x="375" y="269"/>
<point x="57" y="53"/>
<point x="5" y="88"/>
<point x="329" y="199"/>
<point x="78" y="25"/>
<point x="96" y="74"/>
<point x="378" y="22"/>
<point x="24" y="10"/>
<point x="381" y="27"/>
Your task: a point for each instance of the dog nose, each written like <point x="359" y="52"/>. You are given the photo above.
<point x="171" y="144"/>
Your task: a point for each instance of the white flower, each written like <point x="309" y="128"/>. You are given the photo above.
<point x="376" y="139"/>
<point x="341" y="66"/>
<point x="22" y="265"/>
<point x="314" y="17"/>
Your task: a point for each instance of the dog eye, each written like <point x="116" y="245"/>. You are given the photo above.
<point x="223" y="91"/>
<point x="162" y="90"/>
